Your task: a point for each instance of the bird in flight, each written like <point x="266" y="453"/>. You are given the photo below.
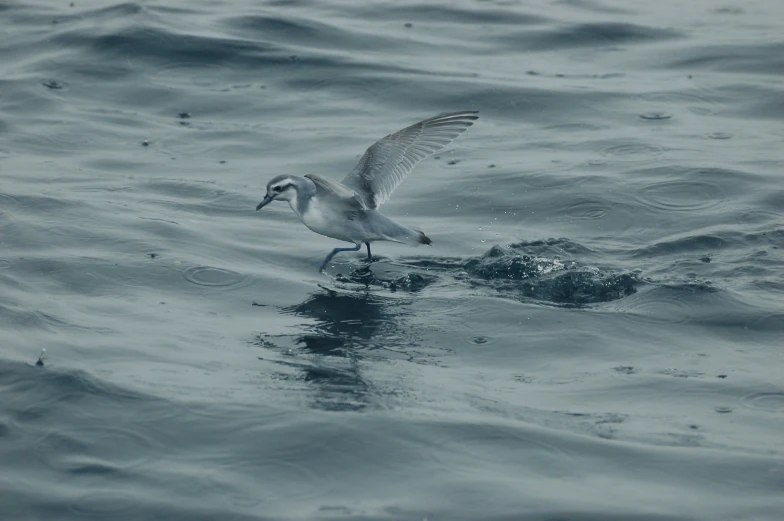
<point x="348" y="210"/>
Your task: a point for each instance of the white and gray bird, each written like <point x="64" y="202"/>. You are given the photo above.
<point x="347" y="210"/>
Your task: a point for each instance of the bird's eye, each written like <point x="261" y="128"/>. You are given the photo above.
<point x="276" y="189"/>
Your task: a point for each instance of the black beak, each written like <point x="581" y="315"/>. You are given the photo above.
<point x="267" y="200"/>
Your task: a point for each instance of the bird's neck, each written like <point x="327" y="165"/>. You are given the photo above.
<point x="297" y="205"/>
<point x="305" y="191"/>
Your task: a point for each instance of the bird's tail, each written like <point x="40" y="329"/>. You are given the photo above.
<point x="406" y="235"/>
<point x="387" y="229"/>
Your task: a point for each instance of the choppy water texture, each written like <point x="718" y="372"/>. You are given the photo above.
<point x="596" y="334"/>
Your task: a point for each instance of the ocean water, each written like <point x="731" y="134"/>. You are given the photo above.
<point x="596" y="333"/>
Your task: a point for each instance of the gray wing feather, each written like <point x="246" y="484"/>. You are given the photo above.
<point x="334" y="189"/>
<point x="391" y="159"/>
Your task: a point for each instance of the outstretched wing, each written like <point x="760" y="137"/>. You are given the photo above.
<point x="389" y="161"/>
<point x="336" y="190"/>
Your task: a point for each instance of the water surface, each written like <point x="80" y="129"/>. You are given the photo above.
<point x="595" y="334"/>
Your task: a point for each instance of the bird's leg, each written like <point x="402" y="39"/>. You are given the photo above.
<point x="334" y="252"/>
<point x="370" y="257"/>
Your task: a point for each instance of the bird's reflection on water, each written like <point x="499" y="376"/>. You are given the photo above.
<point x="340" y="331"/>
<point x="345" y="320"/>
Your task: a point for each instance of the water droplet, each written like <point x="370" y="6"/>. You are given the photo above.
<point x="656" y="115"/>
<point x="53" y="84"/>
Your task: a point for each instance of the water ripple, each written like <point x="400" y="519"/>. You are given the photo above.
<point x="657" y="306"/>
<point x="770" y="402"/>
<point x="632" y="151"/>
<point x="682" y="195"/>
<point x="211" y="276"/>
<point x="700" y="101"/>
<point x="588" y="210"/>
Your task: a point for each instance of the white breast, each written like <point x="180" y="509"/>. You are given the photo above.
<point x="325" y="221"/>
<point x="314" y="217"/>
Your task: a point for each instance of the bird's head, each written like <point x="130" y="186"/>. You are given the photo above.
<point x="281" y="188"/>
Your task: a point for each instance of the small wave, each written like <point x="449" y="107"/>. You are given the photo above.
<point x="549" y="279"/>
<point x="164" y="45"/>
<point x="595" y="7"/>
<point x="717" y="240"/>
<point x="590" y="35"/>
<point x="765" y="58"/>
<point x="456" y="15"/>
<point x="500" y="263"/>
<point x="537" y="270"/>
<point x="691" y="243"/>
<point x="107" y="503"/>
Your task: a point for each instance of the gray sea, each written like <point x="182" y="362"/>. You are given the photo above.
<point x="596" y="333"/>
